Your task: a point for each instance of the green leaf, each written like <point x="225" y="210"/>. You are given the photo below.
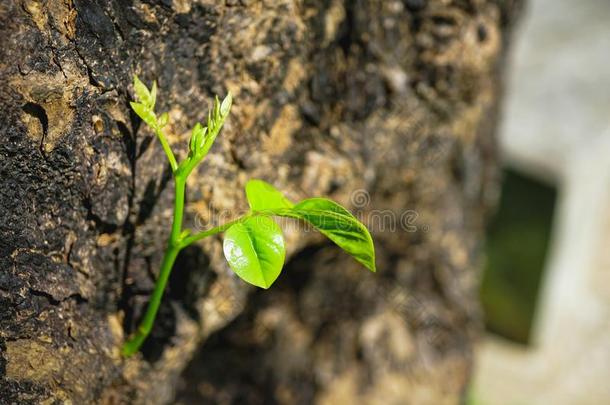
<point x="214" y="128"/>
<point x="197" y="138"/>
<point x="338" y="225"/>
<point x="142" y="92"/>
<point x="216" y="114"/>
<point x="153" y="96"/>
<point x="145" y="113"/>
<point x="210" y="123"/>
<point x="263" y="196"/>
<point x="163" y="119"/>
<point x="255" y="250"/>
<point x="225" y="107"/>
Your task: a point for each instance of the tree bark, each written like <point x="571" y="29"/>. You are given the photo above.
<point x="388" y="107"/>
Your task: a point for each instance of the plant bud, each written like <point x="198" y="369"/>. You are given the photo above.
<point x="225" y="107"/>
<point x="163" y="120"/>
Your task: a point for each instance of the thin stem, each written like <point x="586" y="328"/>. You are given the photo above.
<point x="168" y="150"/>
<point x="180" y="185"/>
<point x="134" y="343"/>
<point x="174" y="246"/>
<point x="212" y="231"/>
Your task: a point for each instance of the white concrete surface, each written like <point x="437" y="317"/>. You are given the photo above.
<point x="557" y="127"/>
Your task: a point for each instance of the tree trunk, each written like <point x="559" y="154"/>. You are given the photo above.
<point x="388" y="107"/>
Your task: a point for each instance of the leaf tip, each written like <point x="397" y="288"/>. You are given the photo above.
<point x="163" y="119"/>
<point x="225" y="107"/>
<point x="136" y="80"/>
<point x="142" y="93"/>
<point x="153" y="95"/>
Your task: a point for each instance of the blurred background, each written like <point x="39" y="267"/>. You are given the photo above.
<point x="546" y="286"/>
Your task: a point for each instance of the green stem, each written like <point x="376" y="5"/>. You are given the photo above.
<point x="180" y="186"/>
<point x="133" y="344"/>
<point x="168" y="150"/>
<point x="174" y="246"/>
<point x="213" y="231"/>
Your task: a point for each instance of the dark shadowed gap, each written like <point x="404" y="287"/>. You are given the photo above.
<point x="38" y="112"/>
<point x="516" y="251"/>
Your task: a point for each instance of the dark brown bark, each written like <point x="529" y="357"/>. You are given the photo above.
<point x="397" y="98"/>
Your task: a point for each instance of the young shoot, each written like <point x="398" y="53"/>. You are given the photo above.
<point x="253" y="244"/>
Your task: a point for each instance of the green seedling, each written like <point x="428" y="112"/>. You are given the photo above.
<point x="253" y="244"/>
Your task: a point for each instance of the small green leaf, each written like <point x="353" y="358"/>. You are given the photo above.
<point x="210" y="122"/>
<point x="142" y="91"/>
<point x="215" y="123"/>
<point x="216" y="114"/>
<point x="153" y="96"/>
<point x="338" y="225"/>
<point x="197" y="138"/>
<point x="225" y="107"/>
<point x="255" y="250"/>
<point x="263" y="196"/>
<point x="204" y="133"/>
<point x="145" y="113"/>
<point x="163" y="119"/>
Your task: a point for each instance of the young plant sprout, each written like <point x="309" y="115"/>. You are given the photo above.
<point x="253" y="244"/>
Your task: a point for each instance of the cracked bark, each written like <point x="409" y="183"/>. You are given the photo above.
<point x="398" y="98"/>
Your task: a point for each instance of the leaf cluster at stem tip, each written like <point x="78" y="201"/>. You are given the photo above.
<point x="202" y="137"/>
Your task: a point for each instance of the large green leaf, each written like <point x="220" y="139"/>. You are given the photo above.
<point x="255" y="250"/>
<point x="338" y="225"/>
<point x="263" y="196"/>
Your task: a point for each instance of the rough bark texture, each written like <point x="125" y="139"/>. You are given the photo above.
<point x="397" y="98"/>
